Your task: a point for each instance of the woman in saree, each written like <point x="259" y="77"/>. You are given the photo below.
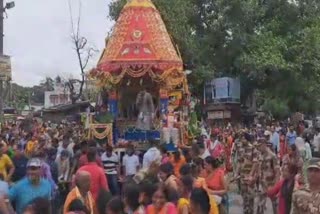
<point x="166" y="174"/>
<point x="161" y="202"/>
<point x="284" y="189"/>
<point x="216" y="182"/>
<point x="293" y="158"/>
<point x="283" y="146"/>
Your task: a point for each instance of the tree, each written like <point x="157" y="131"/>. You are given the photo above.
<point x="83" y="52"/>
<point x="283" y="56"/>
<point x="48" y="84"/>
<point x="20" y="96"/>
<point x="273" y="46"/>
<point x="58" y="79"/>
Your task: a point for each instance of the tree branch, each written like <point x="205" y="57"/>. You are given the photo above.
<point x="73" y="36"/>
<point x="79" y="19"/>
<point x="83" y="54"/>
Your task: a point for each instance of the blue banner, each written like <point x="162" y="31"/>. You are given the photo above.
<point x="132" y="134"/>
<point x="113" y="107"/>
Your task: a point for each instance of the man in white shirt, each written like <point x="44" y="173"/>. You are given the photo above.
<point x="300" y="144"/>
<point x="66" y="144"/>
<point x="152" y="155"/>
<point x="275" y="140"/>
<point x="130" y="163"/>
<point x="308" y="152"/>
<point x="110" y="161"/>
<point x="316" y="140"/>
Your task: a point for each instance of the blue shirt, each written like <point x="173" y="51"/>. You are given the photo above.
<point x="291" y="137"/>
<point x="24" y="192"/>
<point x="275" y="140"/>
<point x="4" y="188"/>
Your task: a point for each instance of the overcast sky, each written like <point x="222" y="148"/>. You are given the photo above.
<point x="37" y="36"/>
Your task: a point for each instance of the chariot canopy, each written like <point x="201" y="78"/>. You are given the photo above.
<point x="140" y="46"/>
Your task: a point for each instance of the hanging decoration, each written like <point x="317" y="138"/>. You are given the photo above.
<point x="101" y="131"/>
<point x="170" y="78"/>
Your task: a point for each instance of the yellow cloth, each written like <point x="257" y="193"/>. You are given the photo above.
<point x="186" y="202"/>
<point x="5" y="163"/>
<point x="183" y="202"/>
<point x="214" y="207"/>
<point x="31" y="145"/>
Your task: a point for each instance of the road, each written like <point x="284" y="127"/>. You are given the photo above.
<point x="236" y="205"/>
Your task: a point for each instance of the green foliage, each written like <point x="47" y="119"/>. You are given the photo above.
<point x="273" y="46"/>
<point x="20" y="96"/>
<point x="23" y="96"/>
<point x="276" y="107"/>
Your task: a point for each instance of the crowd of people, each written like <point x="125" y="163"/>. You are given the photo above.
<point x="53" y="169"/>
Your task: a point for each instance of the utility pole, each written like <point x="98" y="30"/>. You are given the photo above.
<point x="2" y="10"/>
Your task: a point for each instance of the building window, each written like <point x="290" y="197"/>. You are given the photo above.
<point x="54" y="99"/>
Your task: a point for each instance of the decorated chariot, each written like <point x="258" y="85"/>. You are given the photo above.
<point x="142" y="73"/>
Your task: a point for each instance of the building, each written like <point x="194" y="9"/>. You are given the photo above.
<point x="222" y="100"/>
<point x="59" y="96"/>
<point x="36" y="107"/>
<point x="69" y="112"/>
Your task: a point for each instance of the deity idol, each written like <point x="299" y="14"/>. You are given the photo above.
<point x="146" y="109"/>
<point x="170" y="132"/>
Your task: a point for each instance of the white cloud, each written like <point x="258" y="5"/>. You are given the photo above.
<point x="37" y="36"/>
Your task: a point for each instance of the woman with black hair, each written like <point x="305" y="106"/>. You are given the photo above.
<point x="177" y="160"/>
<point x="77" y="207"/>
<point x="166" y="174"/>
<point x="196" y="170"/>
<point x="283" y="146"/>
<point x="38" y="206"/>
<point x="284" y="189"/>
<point x="216" y="182"/>
<point x="164" y="153"/>
<point x="186" y="189"/>
<point x="185" y="170"/>
<point x="103" y="198"/>
<point x="293" y="158"/>
<point x="131" y="199"/>
<point x="147" y="190"/>
<point x="199" y="201"/>
<point x="161" y="202"/>
<point x="115" y="206"/>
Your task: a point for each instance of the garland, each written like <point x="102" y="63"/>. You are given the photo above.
<point x="106" y="133"/>
<point x="101" y="135"/>
<point x="171" y="77"/>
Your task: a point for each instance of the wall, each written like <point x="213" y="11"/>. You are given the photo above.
<point x="60" y="95"/>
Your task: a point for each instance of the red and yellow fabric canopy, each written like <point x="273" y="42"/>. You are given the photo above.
<point x="140" y="45"/>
